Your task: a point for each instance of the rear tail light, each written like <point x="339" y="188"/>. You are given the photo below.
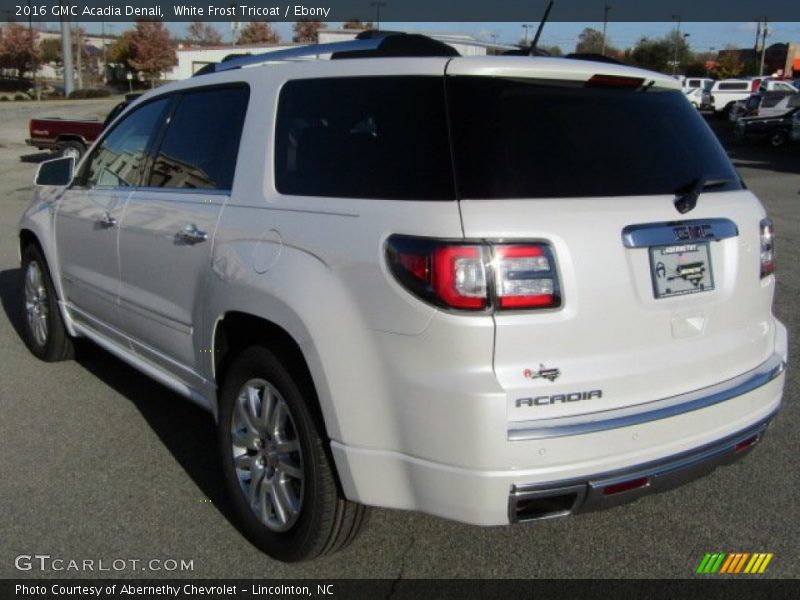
<point x="767" y="247"/>
<point x="476" y="276"/>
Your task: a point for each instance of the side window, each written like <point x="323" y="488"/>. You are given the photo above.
<point x="121" y="156"/>
<point x="364" y="137"/>
<point x="201" y="144"/>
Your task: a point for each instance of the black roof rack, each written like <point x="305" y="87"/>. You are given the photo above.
<point x="367" y="44"/>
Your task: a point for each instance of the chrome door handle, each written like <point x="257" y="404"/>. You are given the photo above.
<point x="191" y="235"/>
<point x="106" y="221"/>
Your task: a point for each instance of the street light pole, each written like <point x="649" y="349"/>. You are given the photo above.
<point x="526" y="26"/>
<point x="677" y="41"/>
<point x="378" y="6"/>
<point x="66" y="54"/>
<point x="605" y="27"/>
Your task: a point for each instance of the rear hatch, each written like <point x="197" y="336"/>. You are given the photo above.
<point x="655" y="242"/>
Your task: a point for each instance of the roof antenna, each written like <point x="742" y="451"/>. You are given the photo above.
<point x="534" y="51"/>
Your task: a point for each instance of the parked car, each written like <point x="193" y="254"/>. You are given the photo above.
<point x="764" y="104"/>
<point x="695" y="97"/>
<point x="777" y="85"/>
<point x="695" y="83"/>
<point x="486" y="320"/>
<point x="726" y="92"/>
<point x="70" y="137"/>
<point x="775" y="130"/>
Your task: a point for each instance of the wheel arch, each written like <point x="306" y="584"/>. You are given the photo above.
<point x="236" y="331"/>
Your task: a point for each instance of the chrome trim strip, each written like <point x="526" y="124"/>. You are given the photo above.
<point x="662" y="234"/>
<point x="649" y="411"/>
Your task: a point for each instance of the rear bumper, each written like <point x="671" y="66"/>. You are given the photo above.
<point x="574" y="468"/>
<point x="42" y="144"/>
<point x="558" y="499"/>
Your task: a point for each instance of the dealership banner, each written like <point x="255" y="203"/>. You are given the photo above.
<point x="397" y="10"/>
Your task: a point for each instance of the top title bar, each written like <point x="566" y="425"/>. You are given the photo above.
<point x="399" y="10"/>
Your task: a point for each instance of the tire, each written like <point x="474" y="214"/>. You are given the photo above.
<point x="296" y="512"/>
<point x="72" y="148"/>
<point x="778" y="139"/>
<point x="45" y="334"/>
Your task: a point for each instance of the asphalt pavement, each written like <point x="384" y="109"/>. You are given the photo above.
<point x="97" y="462"/>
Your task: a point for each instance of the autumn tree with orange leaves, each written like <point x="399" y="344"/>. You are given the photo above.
<point x="258" y="32"/>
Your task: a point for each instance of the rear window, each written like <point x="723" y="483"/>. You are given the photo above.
<point x="734" y="86"/>
<point x="516" y="138"/>
<point x="364" y="137"/>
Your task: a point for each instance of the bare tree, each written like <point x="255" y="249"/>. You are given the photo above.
<point x="203" y="34"/>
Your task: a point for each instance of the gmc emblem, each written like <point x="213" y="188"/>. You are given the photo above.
<point x="693" y="232"/>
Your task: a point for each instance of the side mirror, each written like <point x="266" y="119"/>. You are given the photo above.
<point x="58" y="171"/>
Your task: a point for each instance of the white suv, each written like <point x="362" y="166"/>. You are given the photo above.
<point x="493" y="289"/>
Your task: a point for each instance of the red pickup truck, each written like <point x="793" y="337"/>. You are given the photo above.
<point x="68" y="137"/>
<point x="71" y="137"/>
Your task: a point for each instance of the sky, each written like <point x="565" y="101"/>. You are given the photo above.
<point x="702" y="36"/>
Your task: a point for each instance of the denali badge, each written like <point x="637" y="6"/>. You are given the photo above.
<point x="570" y="397"/>
<point x="543" y="372"/>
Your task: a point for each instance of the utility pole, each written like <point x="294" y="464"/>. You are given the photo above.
<point x="755" y="48"/>
<point x="79" y="56"/>
<point x="764" y="34"/>
<point x="606" y="8"/>
<point x="675" y="49"/>
<point x="378" y="6"/>
<point x="66" y="53"/>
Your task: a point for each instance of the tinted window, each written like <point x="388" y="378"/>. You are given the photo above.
<point x="523" y="139"/>
<point x="120" y="158"/>
<point x="201" y="144"/>
<point x="735" y="86"/>
<point x="378" y="137"/>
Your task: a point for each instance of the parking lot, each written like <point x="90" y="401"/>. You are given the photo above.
<point x="99" y="462"/>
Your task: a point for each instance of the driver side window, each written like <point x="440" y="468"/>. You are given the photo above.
<point x="119" y="159"/>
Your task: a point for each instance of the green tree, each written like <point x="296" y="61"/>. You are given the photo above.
<point x="651" y="54"/>
<point x="729" y="64"/>
<point x="590" y="41"/>
<point x="258" y="32"/>
<point x="122" y="51"/>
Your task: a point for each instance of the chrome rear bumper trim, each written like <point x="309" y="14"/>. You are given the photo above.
<point x="649" y="411"/>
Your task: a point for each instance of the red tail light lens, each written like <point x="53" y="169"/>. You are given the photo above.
<point x="767" y="247"/>
<point x="475" y="276"/>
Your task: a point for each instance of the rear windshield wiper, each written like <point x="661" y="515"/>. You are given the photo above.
<point x="687" y="195"/>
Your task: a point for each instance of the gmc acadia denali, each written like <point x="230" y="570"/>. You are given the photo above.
<point x="493" y="289"/>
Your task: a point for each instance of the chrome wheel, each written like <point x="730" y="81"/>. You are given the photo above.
<point x="71" y="152"/>
<point x="36" y="305"/>
<point x="267" y="455"/>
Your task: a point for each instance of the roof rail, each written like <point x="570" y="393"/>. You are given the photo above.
<point x="367" y="44"/>
<point x="290" y="53"/>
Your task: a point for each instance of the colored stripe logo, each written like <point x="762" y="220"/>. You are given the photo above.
<point x="734" y="563"/>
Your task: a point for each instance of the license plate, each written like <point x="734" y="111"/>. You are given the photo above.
<point x="681" y="269"/>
